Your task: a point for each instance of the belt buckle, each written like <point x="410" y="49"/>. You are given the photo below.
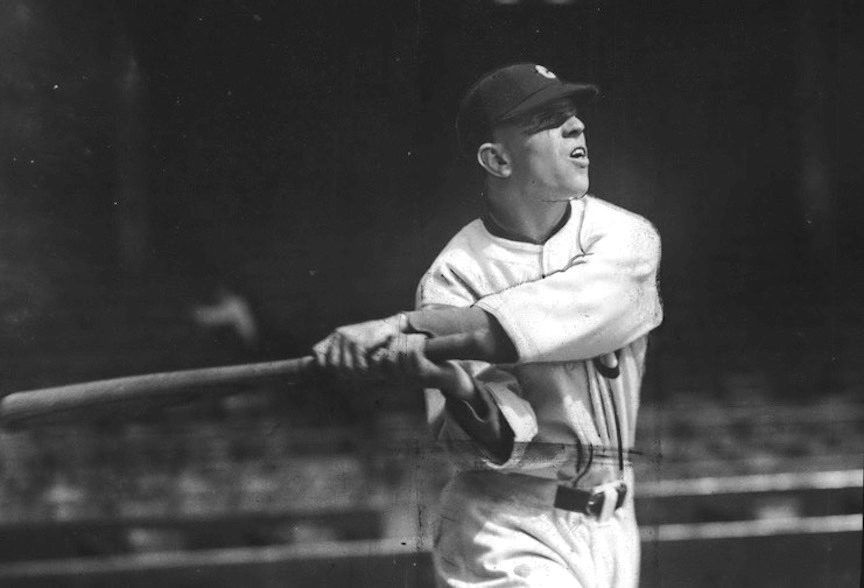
<point x="594" y="505"/>
<point x="606" y="499"/>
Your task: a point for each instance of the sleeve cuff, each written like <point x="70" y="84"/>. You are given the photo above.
<point x="491" y="432"/>
<point x="499" y="437"/>
<point x="519" y="416"/>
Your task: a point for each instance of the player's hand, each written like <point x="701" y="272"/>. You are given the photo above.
<point x="347" y="350"/>
<point x="404" y="360"/>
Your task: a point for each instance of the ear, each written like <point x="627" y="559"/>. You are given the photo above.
<point x="493" y="158"/>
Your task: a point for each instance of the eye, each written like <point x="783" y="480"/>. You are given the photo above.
<point x="549" y="119"/>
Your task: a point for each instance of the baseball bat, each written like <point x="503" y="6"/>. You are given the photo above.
<point x="74" y="401"/>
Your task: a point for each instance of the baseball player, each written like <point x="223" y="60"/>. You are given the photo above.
<point x="560" y="289"/>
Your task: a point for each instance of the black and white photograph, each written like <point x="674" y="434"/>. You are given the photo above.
<point x="431" y="293"/>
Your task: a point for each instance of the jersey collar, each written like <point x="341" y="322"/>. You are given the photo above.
<point x="497" y="230"/>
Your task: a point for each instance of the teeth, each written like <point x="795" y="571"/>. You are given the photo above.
<point x="578" y="152"/>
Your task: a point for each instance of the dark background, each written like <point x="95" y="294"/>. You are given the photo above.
<point x="155" y="155"/>
<point x="302" y="154"/>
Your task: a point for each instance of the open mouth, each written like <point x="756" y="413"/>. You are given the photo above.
<point x="579" y="153"/>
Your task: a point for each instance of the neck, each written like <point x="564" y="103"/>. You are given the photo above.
<point x="529" y="221"/>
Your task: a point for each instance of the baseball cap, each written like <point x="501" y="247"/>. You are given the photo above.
<point x="507" y="93"/>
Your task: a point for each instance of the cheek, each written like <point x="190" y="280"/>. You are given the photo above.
<point x="542" y="163"/>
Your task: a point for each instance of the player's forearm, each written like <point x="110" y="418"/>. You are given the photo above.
<point x="483" y="422"/>
<point x="474" y="409"/>
<point x="486" y="333"/>
<point x="460" y="389"/>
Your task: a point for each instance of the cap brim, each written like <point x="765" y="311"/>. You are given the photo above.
<point x="581" y="93"/>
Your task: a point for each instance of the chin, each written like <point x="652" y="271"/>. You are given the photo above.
<point x="579" y="191"/>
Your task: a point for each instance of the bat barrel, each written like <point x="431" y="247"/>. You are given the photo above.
<point x="76" y="401"/>
<point x="21" y="408"/>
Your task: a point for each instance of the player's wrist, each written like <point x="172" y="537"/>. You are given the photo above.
<point x="466" y="390"/>
<point x="454" y="382"/>
<point x="398" y="324"/>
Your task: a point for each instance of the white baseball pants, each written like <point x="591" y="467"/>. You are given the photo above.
<point x="502" y="531"/>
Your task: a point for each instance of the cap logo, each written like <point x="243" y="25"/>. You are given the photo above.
<point x="544" y="72"/>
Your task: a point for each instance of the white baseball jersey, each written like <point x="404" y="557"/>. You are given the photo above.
<point x="577" y="308"/>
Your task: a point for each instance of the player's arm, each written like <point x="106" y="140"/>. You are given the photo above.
<point x="465" y="408"/>
<point x="350" y="349"/>
<point x="493" y="419"/>
<point x="468" y="401"/>
<point x="495" y="438"/>
<point x="605" y="299"/>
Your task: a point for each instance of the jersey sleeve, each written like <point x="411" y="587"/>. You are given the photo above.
<point x="463" y="432"/>
<point x="604" y="299"/>
<point x="454" y="423"/>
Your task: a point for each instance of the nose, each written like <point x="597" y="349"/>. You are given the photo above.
<point x="573" y="127"/>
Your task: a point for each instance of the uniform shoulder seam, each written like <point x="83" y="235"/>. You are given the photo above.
<point x="616" y="208"/>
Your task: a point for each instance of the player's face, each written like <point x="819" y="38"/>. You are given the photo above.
<point x="548" y="153"/>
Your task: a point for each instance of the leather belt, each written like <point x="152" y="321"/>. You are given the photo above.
<point x="592" y="502"/>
